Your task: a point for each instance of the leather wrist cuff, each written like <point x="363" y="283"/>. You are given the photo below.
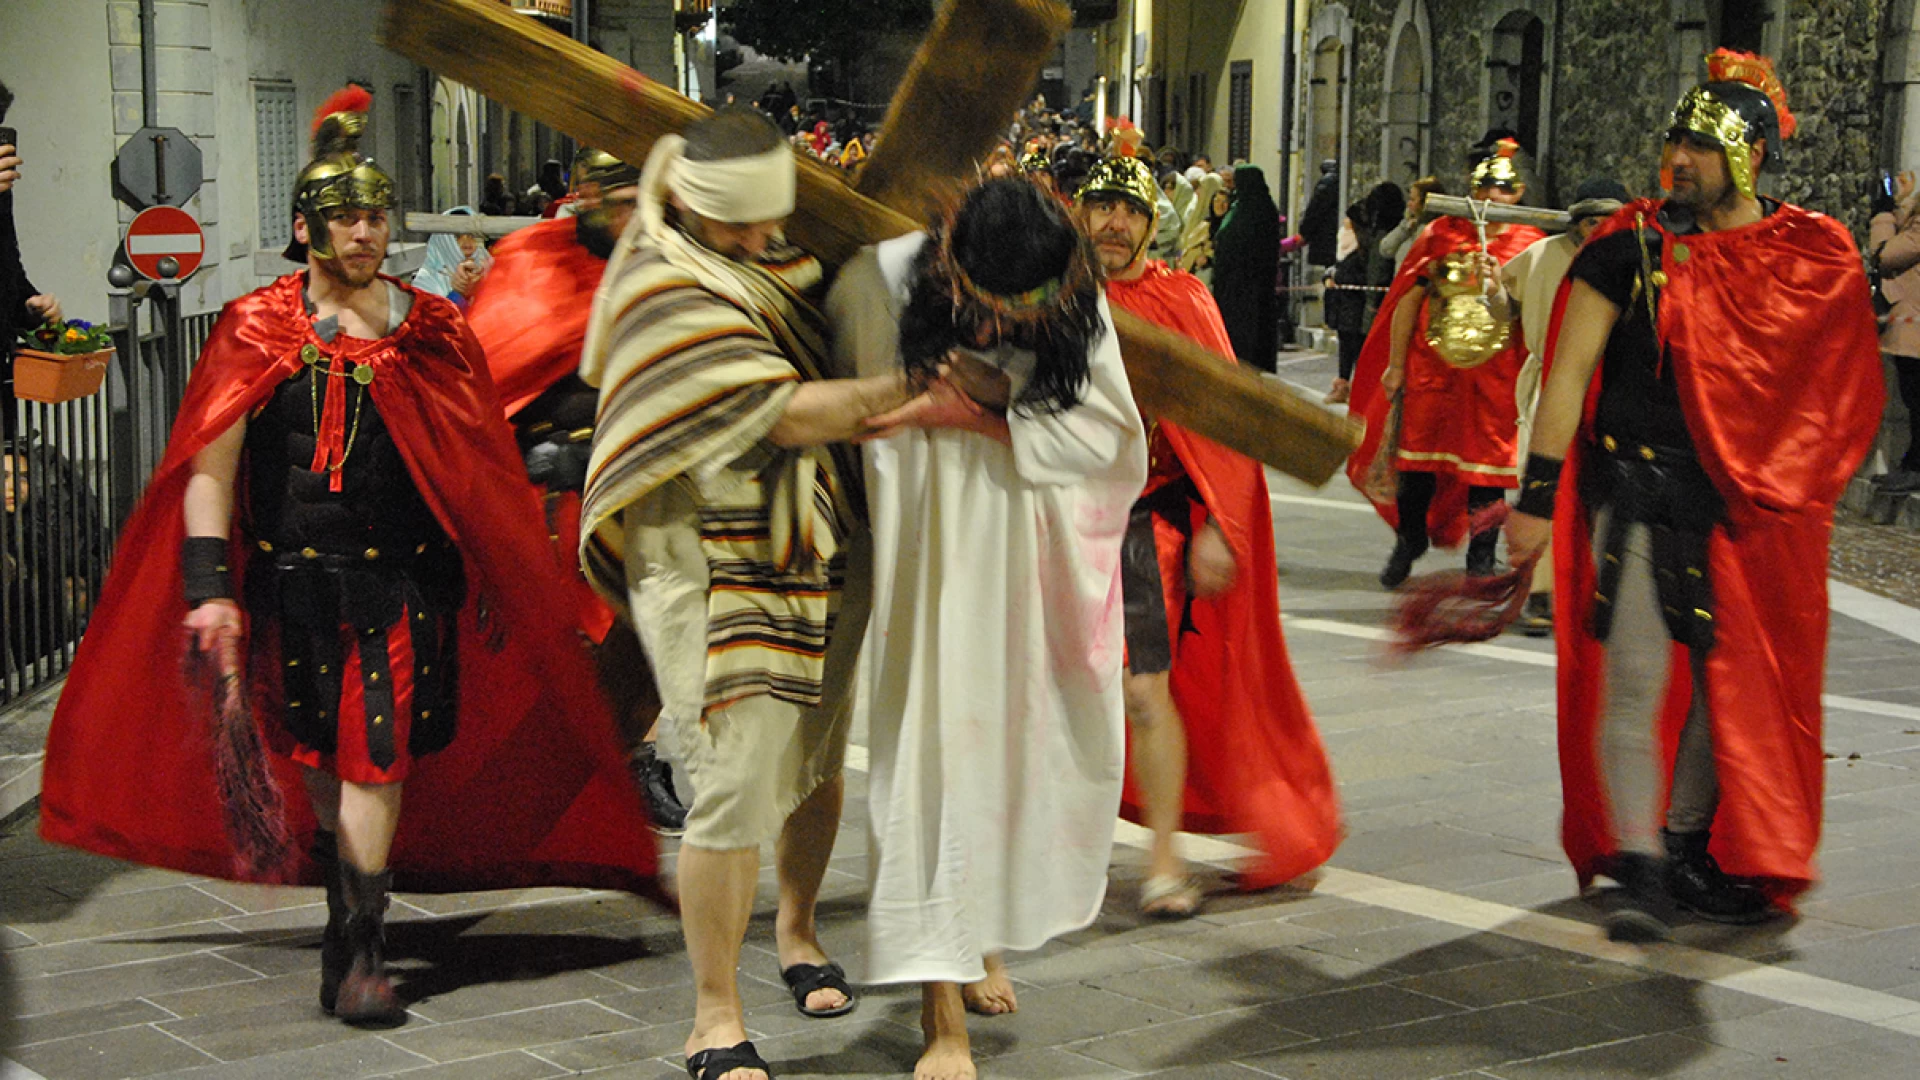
<point x="1539" y="486"/>
<point x="203" y="567"/>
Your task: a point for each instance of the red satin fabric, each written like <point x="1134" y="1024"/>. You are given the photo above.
<point x="530" y="316"/>
<point x="1776" y="356"/>
<point x="530" y="311"/>
<point x="1255" y="763"/>
<point x="1469" y="414"/>
<point x="534" y="789"/>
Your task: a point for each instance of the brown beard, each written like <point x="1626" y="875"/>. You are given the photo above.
<point x="338" y="272"/>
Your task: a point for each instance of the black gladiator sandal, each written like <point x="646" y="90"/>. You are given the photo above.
<point x="366" y="994"/>
<point x="325" y="853"/>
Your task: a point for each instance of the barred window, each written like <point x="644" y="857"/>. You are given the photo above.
<point x="1240" y="111"/>
<point x="277" y="131"/>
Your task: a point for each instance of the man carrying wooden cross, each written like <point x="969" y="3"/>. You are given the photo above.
<point x="718" y="512"/>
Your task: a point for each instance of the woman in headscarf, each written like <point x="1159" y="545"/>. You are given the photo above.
<point x="455" y="264"/>
<point x="1246" y="263"/>
<point x="855" y="153"/>
<point x="1196" y="242"/>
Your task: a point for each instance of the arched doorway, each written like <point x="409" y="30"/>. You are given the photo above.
<point x="1404" y="108"/>
<point x="1515" y="70"/>
<point x="1329" y="90"/>
<point x="1327" y="69"/>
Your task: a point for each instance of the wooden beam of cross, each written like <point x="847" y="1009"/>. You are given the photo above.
<point x="969" y="77"/>
<point x="602" y="102"/>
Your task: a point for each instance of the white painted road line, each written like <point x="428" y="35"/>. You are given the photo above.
<point x="1571" y="935"/>
<point x="1324" y="504"/>
<point x="1892" y="616"/>
<point x="1539" y="659"/>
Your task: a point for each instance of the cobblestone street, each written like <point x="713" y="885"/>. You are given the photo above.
<point x="1444" y="939"/>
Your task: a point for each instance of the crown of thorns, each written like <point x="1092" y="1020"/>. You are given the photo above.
<point x="1058" y="298"/>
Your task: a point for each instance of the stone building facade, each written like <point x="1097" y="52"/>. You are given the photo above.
<point x="1589" y="84"/>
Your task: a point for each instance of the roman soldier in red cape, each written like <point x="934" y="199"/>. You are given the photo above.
<point x="1713" y="382"/>
<point x="530" y="316"/>
<point x="1435" y="383"/>
<point x="1221" y="740"/>
<point x="343" y="528"/>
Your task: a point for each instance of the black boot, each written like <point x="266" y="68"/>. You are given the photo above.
<point x="1537" y="619"/>
<point x="333" y="941"/>
<point x="1642" y="911"/>
<point x="1400" y="564"/>
<point x="366" y="993"/>
<point x="1480" y="551"/>
<point x="1697" y="883"/>
<point x="655" y="779"/>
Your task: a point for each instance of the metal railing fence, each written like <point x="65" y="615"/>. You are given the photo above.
<point x="71" y="476"/>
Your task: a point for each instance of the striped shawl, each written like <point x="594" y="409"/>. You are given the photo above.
<point x="696" y="357"/>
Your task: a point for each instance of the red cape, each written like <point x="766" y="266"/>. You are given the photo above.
<point x="530" y="311"/>
<point x="1777" y="360"/>
<point x="1254" y="759"/>
<point x="530" y="316"/>
<point x="1447" y="518"/>
<point x="533" y="790"/>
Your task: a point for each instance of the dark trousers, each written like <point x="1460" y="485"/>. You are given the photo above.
<point x="1350" y="344"/>
<point x="1906" y="370"/>
<point x="1416" y="498"/>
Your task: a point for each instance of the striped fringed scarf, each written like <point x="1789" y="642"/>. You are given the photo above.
<point x="695" y="356"/>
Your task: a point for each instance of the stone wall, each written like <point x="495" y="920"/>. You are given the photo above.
<point x="1613" y="81"/>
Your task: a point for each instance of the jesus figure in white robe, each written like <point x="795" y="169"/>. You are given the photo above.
<point x="990" y="681"/>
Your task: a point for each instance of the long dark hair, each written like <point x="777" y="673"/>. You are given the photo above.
<point x="1008" y="238"/>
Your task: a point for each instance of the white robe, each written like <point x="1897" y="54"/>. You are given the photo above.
<point x="991" y="676"/>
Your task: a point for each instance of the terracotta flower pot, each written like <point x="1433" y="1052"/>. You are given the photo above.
<point x="53" y="378"/>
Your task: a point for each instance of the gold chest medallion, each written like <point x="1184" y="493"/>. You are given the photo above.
<point x="1459" y="326"/>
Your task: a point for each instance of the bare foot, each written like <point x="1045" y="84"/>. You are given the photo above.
<point x="723" y="1035"/>
<point x="943" y="1019"/>
<point x="993" y="995"/>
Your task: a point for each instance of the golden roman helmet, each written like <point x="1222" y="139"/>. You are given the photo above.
<point x="591" y="166"/>
<point x="1741" y="103"/>
<point x="1499" y="166"/>
<point x="338" y="177"/>
<point x="1034" y="161"/>
<point x="1122" y="175"/>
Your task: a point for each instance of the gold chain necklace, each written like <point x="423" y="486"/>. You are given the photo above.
<point x="361" y="374"/>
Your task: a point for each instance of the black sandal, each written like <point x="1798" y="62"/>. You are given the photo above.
<point x="804" y="979"/>
<point x="718" y="1061"/>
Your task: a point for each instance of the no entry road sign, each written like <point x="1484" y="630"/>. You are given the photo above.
<point x="161" y="232"/>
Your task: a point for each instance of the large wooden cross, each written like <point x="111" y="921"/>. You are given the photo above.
<point x="969" y="77"/>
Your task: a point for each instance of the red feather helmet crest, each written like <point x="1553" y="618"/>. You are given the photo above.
<point x="1726" y="65"/>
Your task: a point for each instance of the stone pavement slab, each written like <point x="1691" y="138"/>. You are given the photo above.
<point x="1444" y="940"/>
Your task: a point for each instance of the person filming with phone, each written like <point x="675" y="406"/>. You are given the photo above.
<point x="1893" y="240"/>
<point x="21" y="305"/>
